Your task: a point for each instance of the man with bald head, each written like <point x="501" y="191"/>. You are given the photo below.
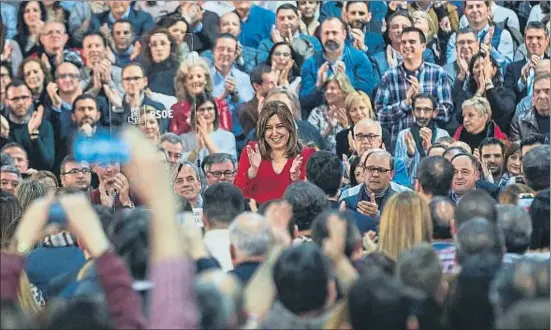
<point x="376" y="190"/>
<point x="536" y="118"/>
<point x="54" y="38"/>
<point x="250" y="240"/>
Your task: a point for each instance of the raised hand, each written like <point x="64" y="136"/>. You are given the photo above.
<point x="343" y="118"/>
<point x="4" y="127"/>
<point x="255" y="158"/>
<point x="334" y="245"/>
<point x="359" y="39"/>
<point x="278" y="215"/>
<point x="32" y="225"/>
<point x="113" y="96"/>
<point x="276" y="35"/>
<point x="412" y="90"/>
<point x="36" y="120"/>
<point x="229" y="86"/>
<point x="52" y="90"/>
<point x="123" y="188"/>
<point x="390" y="57"/>
<point x="340" y="67"/>
<point x="136" y="51"/>
<point x="6" y="53"/>
<point x="295" y="168"/>
<point x="410" y="144"/>
<point x="105" y="30"/>
<point x="346" y="164"/>
<point x="351" y="142"/>
<point x="369" y="208"/>
<point x="426" y="137"/>
<point x="322" y="74"/>
<point x="445" y="24"/>
<point x="463" y="66"/>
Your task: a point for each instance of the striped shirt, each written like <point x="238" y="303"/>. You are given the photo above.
<point x="390" y="100"/>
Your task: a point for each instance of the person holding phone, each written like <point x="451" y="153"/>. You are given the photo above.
<point x="376" y="189"/>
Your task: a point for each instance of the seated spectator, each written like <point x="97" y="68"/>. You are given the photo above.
<point x="10" y="213"/>
<point x="328" y="118"/>
<point x="36" y="76"/>
<point x="30" y="26"/>
<point x="357" y="106"/>
<point x="178" y="28"/>
<point x="19" y="156"/>
<point x="393" y="102"/>
<point x="288" y="66"/>
<point x="266" y="168"/>
<point x="75" y="174"/>
<point x="202" y="23"/>
<point x="187" y="184"/>
<point x="287" y="28"/>
<point x="9" y="178"/>
<point x="440" y="15"/>
<point x="5" y="79"/>
<point x="512" y="161"/>
<point x="173" y="146"/>
<point x="534" y="119"/>
<point x="54" y="51"/>
<point x="219" y="167"/>
<point x="358" y="17"/>
<point x="121" y="43"/>
<point x="256" y="23"/>
<point x="477" y="123"/>
<point x="113" y="190"/>
<point x="335" y="57"/>
<point x="47" y="178"/>
<point x="458" y="71"/>
<point x="516" y="226"/>
<point x="535" y="167"/>
<point x="491" y="157"/>
<point x="206" y="136"/>
<point x="142" y="22"/>
<point x="149" y="123"/>
<point x="160" y="60"/>
<point x="192" y="79"/>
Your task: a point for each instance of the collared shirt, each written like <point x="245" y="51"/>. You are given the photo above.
<point x="243" y="87"/>
<point x="112" y="18"/>
<point x="217" y="242"/>
<point x="390" y="100"/>
<point x="257" y="26"/>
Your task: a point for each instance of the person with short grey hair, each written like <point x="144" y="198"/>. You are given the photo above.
<point x="250" y="240"/>
<point x="9" y="178"/>
<point x="535" y="165"/>
<point x="173" y="146"/>
<point x="476" y="237"/>
<point x="219" y="167"/>
<point x="516" y="225"/>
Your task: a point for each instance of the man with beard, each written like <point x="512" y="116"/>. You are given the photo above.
<point x="263" y="79"/>
<point x="246" y="56"/>
<point x="121" y="42"/>
<point x="491" y="154"/>
<point x="188" y="184"/>
<point x="75" y="174"/>
<point x="413" y="143"/>
<point x="535" y="119"/>
<point x="113" y="190"/>
<point x="287" y="28"/>
<point x="335" y="57"/>
<point x="28" y="128"/>
<point x="358" y="17"/>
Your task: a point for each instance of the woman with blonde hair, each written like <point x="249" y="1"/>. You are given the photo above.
<point x="29" y="190"/>
<point x="326" y="117"/>
<point x="357" y="106"/>
<point x="47" y="178"/>
<point x="193" y="79"/>
<point x="477" y="123"/>
<point x="269" y="165"/>
<point x="510" y="194"/>
<point x="150" y="124"/>
<point x="405" y="222"/>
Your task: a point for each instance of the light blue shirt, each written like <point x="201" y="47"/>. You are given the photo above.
<point x="9" y="19"/>
<point x="112" y="18"/>
<point x="245" y="93"/>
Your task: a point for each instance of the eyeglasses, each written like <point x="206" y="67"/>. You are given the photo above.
<point x="218" y="174"/>
<point x="282" y="54"/>
<point x="68" y="75"/>
<point x="209" y="109"/>
<point x="370" y="137"/>
<point x="132" y="78"/>
<point x="373" y="169"/>
<point x="76" y="171"/>
<point x="20" y="98"/>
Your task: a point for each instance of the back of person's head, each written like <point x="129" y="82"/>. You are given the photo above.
<point x="516" y="226"/>
<point x="539" y="213"/>
<point x="468" y="305"/>
<point x="478" y="236"/>
<point x="435" y="175"/>
<point x="379" y="301"/>
<point x="477" y="203"/>
<point x="128" y="232"/>
<point x="301" y="277"/>
<point x="510" y="194"/>
<point x="533" y="140"/>
<point x="77" y="313"/>
<point x="307" y="201"/>
<point x="442" y="213"/>
<point x="507" y="288"/>
<point x="219" y="300"/>
<point x="28" y="190"/>
<point x="10" y="212"/>
<point x="320" y="231"/>
<point x="325" y="170"/>
<point x="419" y="268"/>
<point x="6" y="160"/>
<point x="222" y="202"/>
<point x="535" y="165"/>
<point x="250" y="235"/>
<point x="526" y="314"/>
<point x="377" y="260"/>
<point x="13" y="317"/>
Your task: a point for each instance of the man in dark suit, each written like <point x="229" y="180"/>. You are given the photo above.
<point x="520" y="75"/>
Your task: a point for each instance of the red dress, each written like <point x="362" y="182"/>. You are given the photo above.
<point x="267" y="185"/>
<point x="181" y="111"/>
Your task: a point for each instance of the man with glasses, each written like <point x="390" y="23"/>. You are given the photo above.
<point x="467" y="45"/>
<point x="376" y="189"/>
<point x="54" y="40"/>
<point x="230" y="83"/>
<point x="28" y="128"/>
<point x="75" y="174"/>
<point x="413" y="143"/>
<point x="219" y="167"/>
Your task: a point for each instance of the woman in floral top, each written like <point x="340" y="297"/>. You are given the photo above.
<point x="330" y="118"/>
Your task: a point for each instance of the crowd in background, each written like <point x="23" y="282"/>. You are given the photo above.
<point x="289" y="164"/>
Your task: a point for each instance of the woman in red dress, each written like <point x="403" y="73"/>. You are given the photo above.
<point x="268" y="166"/>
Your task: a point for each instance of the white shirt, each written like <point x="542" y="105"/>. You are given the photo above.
<point x="218" y="245"/>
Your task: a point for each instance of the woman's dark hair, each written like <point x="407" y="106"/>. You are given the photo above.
<point x="76" y="313"/>
<point x="295" y="72"/>
<point x="22" y="28"/>
<point x="199" y="100"/>
<point x="497" y="80"/>
<point x="170" y="20"/>
<point x="10" y="212"/>
<point x="354" y="162"/>
<point x="13" y="317"/>
<point x="539" y="211"/>
<point x="128" y="232"/>
<point x="147" y="59"/>
<point x="510" y="150"/>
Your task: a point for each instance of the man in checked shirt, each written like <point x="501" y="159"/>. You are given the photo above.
<point x="393" y="101"/>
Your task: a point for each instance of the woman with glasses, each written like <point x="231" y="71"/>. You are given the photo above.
<point x="477" y="123"/>
<point x="329" y="118"/>
<point x="284" y="60"/>
<point x="193" y="79"/>
<point x="36" y="76"/>
<point x="206" y="137"/>
<point x="160" y="59"/>
<point x="269" y="165"/>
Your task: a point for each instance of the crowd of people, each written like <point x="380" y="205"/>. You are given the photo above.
<point x="275" y="164"/>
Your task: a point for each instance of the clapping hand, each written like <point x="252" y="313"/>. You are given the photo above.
<point x="410" y="144"/>
<point x="413" y="89"/>
<point x="295" y="168"/>
<point x="4" y="127"/>
<point x="368" y="208"/>
<point x="52" y="90"/>
<point x="426" y="137"/>
<point x="36" y="120"/>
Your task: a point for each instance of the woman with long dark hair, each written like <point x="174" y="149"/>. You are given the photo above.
<point x="160" y="59"/>
<point x="30" y="20"/>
